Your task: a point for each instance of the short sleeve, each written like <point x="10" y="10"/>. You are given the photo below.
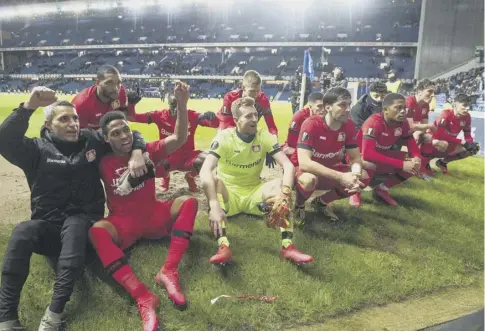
<point x="269" y="142"/>
<point x="218" y="145"/>
<point x="307" y="137"/>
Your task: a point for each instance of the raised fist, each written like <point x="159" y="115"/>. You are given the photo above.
<point x="181" y="92"/>
<point x="40" y="97"/>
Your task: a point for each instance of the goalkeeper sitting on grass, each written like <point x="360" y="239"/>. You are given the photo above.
<point x="239" y="154"/>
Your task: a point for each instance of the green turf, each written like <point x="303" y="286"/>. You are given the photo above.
<point x="381" y="254"/>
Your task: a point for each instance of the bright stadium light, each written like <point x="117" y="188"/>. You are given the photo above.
<point x="100" y="6"/>
<point x="74" y="7"/>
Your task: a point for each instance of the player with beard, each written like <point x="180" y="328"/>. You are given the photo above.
<point x="251" y="87"/>
<point x="314" y="107"/>
<point x="186" y="158"/>
<point x="445" y="141"/>
<point x="106" y="95"/>
<point x="322" y="142"/>
<point x="376" y="138"/>
<point x="238" y="154"/>
<point x="135" y="212"/>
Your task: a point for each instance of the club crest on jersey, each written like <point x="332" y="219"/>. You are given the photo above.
<point x="115" y="104"/>
<point x="256" y="148"/>
<point x="214" y="145"/>
<point x="398" y="131"/>
<point x="462" y="123"/>
<point x="424" y="110"/>
<point x="293" y="125"/>
<point x="341" y="137"/>
<point x="305" y="136"/>
<point x="91" y="155"/>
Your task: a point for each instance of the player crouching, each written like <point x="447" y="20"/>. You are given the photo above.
<point x="320" y="149"/>
<point x="378" y="134"/>
<point x="449" y="124"/>
<point x="134" y="212"/>
<point x="239" y="154"/>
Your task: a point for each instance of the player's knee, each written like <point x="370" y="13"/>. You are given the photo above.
<point x="101" y="232"/>
<point x="188" y="203"/>
<point x="307" y="181"/>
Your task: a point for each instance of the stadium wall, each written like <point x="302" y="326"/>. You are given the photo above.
<point x="451" y="30"/>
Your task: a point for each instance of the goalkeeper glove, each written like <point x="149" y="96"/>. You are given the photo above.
<point x="270" y="162"/>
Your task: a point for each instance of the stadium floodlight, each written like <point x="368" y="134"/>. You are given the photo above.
<point x="100" y="6"/>
<point x="10" y="12"/>
<point x="74" y="7"/>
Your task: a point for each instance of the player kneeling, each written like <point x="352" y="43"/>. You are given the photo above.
<point x="377" y="136"/>
<point x="321" y="144"/>
<point x="134" y="212"/>
<point x="446" y="144"/>
<point x="239" y="154"/>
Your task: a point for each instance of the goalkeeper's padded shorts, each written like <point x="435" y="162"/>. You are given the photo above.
<point x="242" y="200"/>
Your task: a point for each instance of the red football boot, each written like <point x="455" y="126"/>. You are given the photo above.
<point x="191" y="182"/>
<point x="296" y="256"/>
<point x="165" y="183"/>
<point x="170" y="280"/>
<point x="147" y="306"/>
<point x="222" y="256"/>
<point x="354" y="200"/>
<point x="384" y="196"/>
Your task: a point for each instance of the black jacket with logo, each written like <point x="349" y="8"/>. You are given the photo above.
<point x="363" y="110"/>
<point x="63" y="176"/>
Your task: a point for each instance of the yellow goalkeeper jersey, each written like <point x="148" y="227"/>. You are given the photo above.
<point x="240" y="163"/>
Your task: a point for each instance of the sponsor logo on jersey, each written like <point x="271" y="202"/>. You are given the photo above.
<point x="383" y="147"/>
<point x="56" y="161"/>
<point x="305" y="136"/>
<point x="214" y="145"/>
<point x="385" y="134"/>
<point x="115" y="104"/>
<point x="256" y="148"/>
<point x="330" y="155"/>
<point x="98" y="115"/>
<point x="91" y="155"/>
<point x="341" y="137"/>
<point x="398" y="131"/>
<point x="256" y="163"/>
<point x="165" y="132"/>
<point x="323" y="137"/>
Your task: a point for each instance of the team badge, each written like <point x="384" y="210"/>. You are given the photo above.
<point x="214" y="145"/>
<point x="398" y="131"/>
<point x="305" y="136"/>
<point x="91" y="155"/>
<point x="115" y="104"/>
<point x="293" y="125"/>
<point x="462" y="123"/>
<point x="256" y="148"/>
<point x="341" y="137"/>
<point x="424" y="111"/>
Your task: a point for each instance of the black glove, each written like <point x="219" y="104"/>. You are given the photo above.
<point x="134" y="96"/>
<point x="270" y="162"/>
<point x="472" y="147"/>
<point x="207" y="116"/>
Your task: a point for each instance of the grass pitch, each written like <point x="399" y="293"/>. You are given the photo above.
<point x="379" y="255"/>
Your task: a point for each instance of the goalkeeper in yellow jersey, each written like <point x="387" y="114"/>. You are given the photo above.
<point x="239" y="155"/>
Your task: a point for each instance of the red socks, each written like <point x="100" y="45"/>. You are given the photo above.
<point x="114" y="261"/>
<point x="181" y="233"/>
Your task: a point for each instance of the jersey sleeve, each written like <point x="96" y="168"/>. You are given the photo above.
<point x="226" y="106"/>
<point x="307" y="137"/>
<point x="263" y="102"/>
<point x="467" y="131"/>
<point x="294" y="130"/>
<point x="371" y="129"/>
<point x="219" y="145"/>
<point x="157" y="150"/>
<point x="410" y="107"/>
<point x="351" y="136"/>
<point x="123" y="98"/>
<point x="83" y="112"/>
<point x="269" y="142"/>
<point x="406" y="131"/>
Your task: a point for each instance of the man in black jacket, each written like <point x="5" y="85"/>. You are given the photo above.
<point x="61" y="168"/>
<point x="368" y="104"/>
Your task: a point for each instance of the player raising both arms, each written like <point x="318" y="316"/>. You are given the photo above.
<point x="378" y="134"/>
<point x="445" y="141"/>
<point x="251" y="87"/>
<point x="186" y="158"/>
<point x="238" y="154"/>
<point x="314" y="107"/>
<point x="134" y="212"/>
<point x="106" y="95"/>
<point x="321" y="144"/>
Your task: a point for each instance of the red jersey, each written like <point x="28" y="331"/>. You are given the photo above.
<point x="295" y="126"/>
<point x="326" y="144"/>
<point x="113" y="166"/>
<point x="166" y="126"/>
<point x="90" y="109"/>
<point x="262" y="106"/>
<point x="417" y="111"/>
<point x="385" y="135"/>
<point x="449" y="127"/>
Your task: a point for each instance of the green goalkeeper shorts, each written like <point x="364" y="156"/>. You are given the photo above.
<point x="242" y="200"/>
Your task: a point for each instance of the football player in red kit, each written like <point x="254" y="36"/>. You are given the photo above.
<point x="321" y="144"/>
<point x="134" y="212"/>
<point x="251" y="87"/>
<point x="449" y="124"/>
<point x="186" y="158"/>
<point x="378" y="134"/>
<point x="314" y="107"/>
<point x="106" y="95"/>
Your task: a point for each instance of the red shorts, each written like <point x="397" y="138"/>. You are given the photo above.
<point x="385" y="168"/>
<point x="152" y="223"/>
<point x="324" y="183"/>
<point x="178" y="162"/>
